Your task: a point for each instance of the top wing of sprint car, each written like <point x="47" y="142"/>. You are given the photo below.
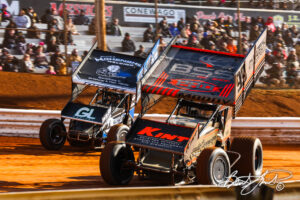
<point x="207" y="76"/>
<point x="117" y="76"/>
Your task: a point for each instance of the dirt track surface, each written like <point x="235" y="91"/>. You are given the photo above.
<point x="34" y="91"/>
<point x="27" y="166"/>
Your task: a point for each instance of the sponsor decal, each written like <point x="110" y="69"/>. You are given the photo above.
<point x="147" y="14"/>
<point x="86" y="113"/>
<point x="149" y="131"/>
<point x="111" y="70"/>
<point x="195" y="85"/>
<point x="74" y="8"/>
<point x="213" y="16"/>
<point x="116" y="60"/>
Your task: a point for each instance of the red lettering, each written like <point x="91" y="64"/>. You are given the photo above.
<point x="159" y="135"/>
<point x="181" y="138"/>
<point x="148" y="131"/>
<point x="169" y="137"/>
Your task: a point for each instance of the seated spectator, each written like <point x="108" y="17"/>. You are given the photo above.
<point x="34" y="32"/>
<point x="30" y="49"/>
<point x="149" y="34"/>
<point x="11" y="64"/>
<point x="71" y="28"/>
<point x="174" y="30"/>
<point x="294" y="31"/>
<point x="254" y="33"/>
<point x="270" y="25"/>
<point x="5" y="14"/>
<point x="223" y="47"/>
<point x="46" y="18"/>
<point x="180" y="24"/>
<point x="85" y="53"/>
<point x="162" y="22"/>
<point x="231" y="47"/>
<point x="251" y="4"/>
<point x="274" y="75"/>
<point x="53" y="58"/>
<point x="128" y="44"/>
<point x="92" y="27"/>
<point x="52" y="46"/>
<point x="22" y="20"/>
<point x="193" y="41"/>
<point x="186" y="31"/>
<point x="279" y="40"/>
<point x="162" y="44"/>
<point x="165" y="31"/>
<point x="269" y="57"/>
<point x="115" y="28"/>
<point x="53" y="24"/>
<point x="51" y="34"/>
<point x="141" y="52"/>
<point x="292" y="78"/>
<point x="26" y="64"/>
<point x="51" y="70"/>
<point x="62" y="66"/>
<point x="32" y="15"/>
<point x="212" y="46"/>
<point x="20" y="45"/>
<point x="60" y="21"/>
<point x="10" y="40"/>
<point x="292" y="57"/>
<point x="81" y="19"/>
<point x="40" y="60"/>
<point x="75" y="60"/>
<point x="11" y="25"/>
<point x="288" y="39"/>
<point x="246" y="25"/>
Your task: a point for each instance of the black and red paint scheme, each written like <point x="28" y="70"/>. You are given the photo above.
<point x="193" y="144"/>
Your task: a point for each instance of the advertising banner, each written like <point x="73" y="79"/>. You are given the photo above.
<point x="147" y="14"/>
<point x="159" y="135"/>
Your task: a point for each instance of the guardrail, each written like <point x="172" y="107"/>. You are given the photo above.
<point x="279" y="130"/>
<point x="290" y="191"/>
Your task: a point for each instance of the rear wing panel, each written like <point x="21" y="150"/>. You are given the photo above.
<point x="159" y="136"/>
<point x="207" y="76"/>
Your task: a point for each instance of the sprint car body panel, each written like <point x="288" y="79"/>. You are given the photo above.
<point x="160" y="136"/>
<point x="86" y="113"/>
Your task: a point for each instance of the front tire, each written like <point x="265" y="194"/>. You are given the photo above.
<point x="52" y="135"/>
<point x="212" y="167"/>
<point x="251" y="151"/>
<point x="117" y="133"/>
<point x="112" y="162"/>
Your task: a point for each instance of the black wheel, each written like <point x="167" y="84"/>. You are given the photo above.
<point x="117" y="133"/>
<point x="251" y="161"/>
<point x="112" y="162"/>
<point x="52" y="134"/>
<point x="213" y="166"/>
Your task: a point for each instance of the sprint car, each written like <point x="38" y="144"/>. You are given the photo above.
<point x="108" y="114"/>
<point x="193" y="145"/>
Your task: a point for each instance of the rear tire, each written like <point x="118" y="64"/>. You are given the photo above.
<point x="251" y="161"/>
<point x="117" y="133"/>
<point x="51" y="134"/>
<point x="112" y="161"/>
<point x="212" y="167"/>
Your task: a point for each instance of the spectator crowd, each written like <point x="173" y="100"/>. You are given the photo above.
<point x="282" y="63"/>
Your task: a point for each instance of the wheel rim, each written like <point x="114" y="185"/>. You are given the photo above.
<point x="258" y="158"/>
<point x="122" y="135"/>
<point x="55" y="134"/>
<point x="220" y="169"/>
